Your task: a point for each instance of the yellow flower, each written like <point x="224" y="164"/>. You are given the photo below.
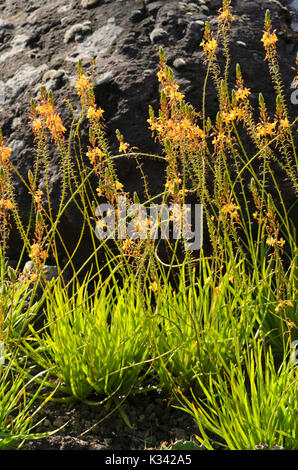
<point x="270" y="126"/>
<point x="99" y="191"/>
<point x="271" y="241"/>
<point x="266" y="129"/>
<point x="281" y="242"/>
<point x="100" y="224"/>
<point x="242" y="94"/>
<point x="173" y="94"/>
<point x="231" y="116"/>
<point x="37" y="196"/>
<point x="82" y="84"/>
<point x="161" y="74"/>
<point x="119" y="186"/>
<point x="37" y="125"/>
<point x="284" y="123"/>
<point x="127" y="244"/>
<point x="225" y="13"/>
<point x="269" y="39"/>
<point x="45" y="109"/>
<point x="209" y="46"/>
<point x="123" y="147"/>
<point x="94" y="113"/>
<point x="155" y="125"/>
<point x="154" y="286"/>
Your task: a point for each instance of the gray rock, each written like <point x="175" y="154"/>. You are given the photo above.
<point x="64" y="8"/>
<point x="98" y="42"/>
<point x="158" y="34"/>
<point x="46" y="423"/>
<point x="24" y="76"/>
<point x="204" y="9"/>
<point x="16" y="123"/>
<point x="81" y="29"/>
<point x="18" y="44"/>
<point x="16" y="147"/>
<point x="179" y="63"/>
<point x="53" y="74"/>
<point x="104" y="78"/>
<point x="5" y="24"/>
<point x="200" y="22"/>
<point x="241" y="43"/>
<point x="2" y="92"/>
<point x="153" y="8"/>
<point x="193" y="6"/>
<point x="89" y="3"/>
<point x="136" y="16"/>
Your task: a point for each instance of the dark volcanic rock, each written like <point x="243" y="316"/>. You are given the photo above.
<point x="42" y="42"/>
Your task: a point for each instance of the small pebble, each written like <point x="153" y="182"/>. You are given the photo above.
<point x="157" y="34"/>
<point x="89" y="3"/>
<point x="179" y="63"/>
<point x="204" y="8"/>
<point x="136" y="16"/>
<point x="241" y="43"/>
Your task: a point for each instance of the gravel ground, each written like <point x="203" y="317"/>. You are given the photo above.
<point x="152" y="419"/>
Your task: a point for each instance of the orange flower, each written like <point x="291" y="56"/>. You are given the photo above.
<point x="51" y="119"/>
<point x="37" y="196"/>
<point x="37" y="253"/>
<point x="34" y="277"/>
<point x="94" y="155"/>
<point x="46" y="108"/>
<point x="6" y="204"/>
<point x="231" y="209"/>
<point x="282" y="304"/>
<point x="55" y="125"/>
<point x="4" y="153"/>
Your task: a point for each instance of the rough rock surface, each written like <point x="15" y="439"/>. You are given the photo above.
<point x="41" y="42"/>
